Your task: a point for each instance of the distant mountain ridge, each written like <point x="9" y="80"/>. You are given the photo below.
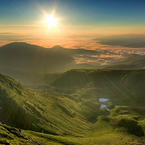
<point x="109" y="82"/>
<point x="132" y="62"/>
<point x="26" y="62"/>
<point x="24" y="56"/>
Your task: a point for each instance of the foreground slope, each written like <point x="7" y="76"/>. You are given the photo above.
<point x="49" y="113"/>
<point x="69" y="111"/>
<point x="100" y="134"/>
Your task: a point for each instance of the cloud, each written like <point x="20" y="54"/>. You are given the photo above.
<point x="130" y="41"/>
<point x="7" y="36"/>
<point x="73" y="52"/>
<point x="26" y="57"/>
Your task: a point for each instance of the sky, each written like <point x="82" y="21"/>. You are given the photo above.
<point x="22" y="20"/>
<point x="77" y="12"/>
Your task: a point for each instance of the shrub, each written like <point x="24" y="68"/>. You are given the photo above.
<point x="131" y="126"/>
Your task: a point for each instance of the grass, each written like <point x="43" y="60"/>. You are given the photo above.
<point x="102" y="134"/>
<point x="70" y="115"/>
<point x="49" y="113"/>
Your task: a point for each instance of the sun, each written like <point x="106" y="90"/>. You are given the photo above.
<point x="51" y="21"/>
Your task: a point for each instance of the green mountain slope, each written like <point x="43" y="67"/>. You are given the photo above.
<point x="69" y="111"/>
<point x="49" y="113"/>
<point x="101" y="133"/>
<point x="121" y="86"/>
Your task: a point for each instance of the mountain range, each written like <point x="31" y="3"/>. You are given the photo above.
<point x="132" y="62"/>
<point x="87" y="106"/>
<point x="26" y="62"/>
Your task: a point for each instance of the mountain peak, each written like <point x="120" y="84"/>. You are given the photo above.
<point x="58" y="47"/>
<point x="20" y="44"/>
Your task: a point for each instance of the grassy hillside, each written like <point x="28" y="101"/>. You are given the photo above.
<point x="68" y="110"/>
<point x="45" y="112"/>
<point x="121" y="86"/>
<point x="101" y="133"/>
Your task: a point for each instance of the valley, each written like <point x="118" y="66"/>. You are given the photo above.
<point x="69" y="110"/>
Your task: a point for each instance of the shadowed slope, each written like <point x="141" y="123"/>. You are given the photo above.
<point x="49" y="113"/>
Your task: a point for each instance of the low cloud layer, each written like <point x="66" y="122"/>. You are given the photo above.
<point x="82" y="53"/>
<point x="32" y="58"/>
<point x="131" y="41"/>
<point x="13" y="37"/>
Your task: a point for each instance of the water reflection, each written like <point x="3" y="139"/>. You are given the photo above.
<point x="103" y="106"/>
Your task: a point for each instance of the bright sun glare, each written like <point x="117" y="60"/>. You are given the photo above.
<point x="51" y="21"/>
